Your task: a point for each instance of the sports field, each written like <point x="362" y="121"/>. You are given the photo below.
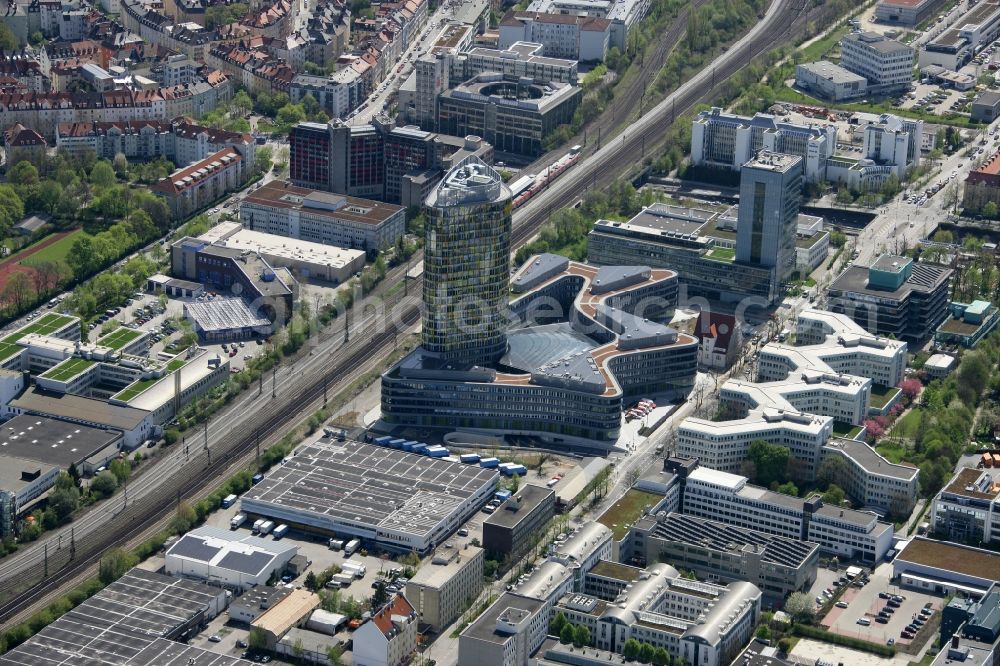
<point x="119" y="338"/>
<point x="68" y="369"/>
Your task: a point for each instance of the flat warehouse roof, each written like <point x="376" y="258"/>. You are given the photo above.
<point x="164" y="652"/>
<point x="51" y="441"/>
<point x="952" y="557"/>
<point x="372" y="486"/>
<point x="118" y="623"/>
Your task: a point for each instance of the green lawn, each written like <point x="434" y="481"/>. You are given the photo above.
<point x="119" y="338"/>
<point x="881" y="395"/>
<point x="627" y="510"/>
<point x="845" y="430"/>
<point x="176" y="364"/>
<point x="68" y="369"/>
<point x="893" y="454"/>
<point x="907" y="426"/>
<point x="134" y="389"/>
<point x="818" y="49"/>
<point x="56" y="251"/>
<point x="721" y="254"/>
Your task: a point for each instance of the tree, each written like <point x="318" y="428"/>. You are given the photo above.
<point x="8" y="41"/>
<point x="567" y="634"/>
<point x="64" y="501"/>
<point x="263" y="160"/>
<point x="82" y="256"/>
<point x="257" y="639"/>
<point x="801" y="607"/>
<point x="18" y="292"/>
<point x="11" y="208"/>
<point x="184" y="519"/>
<point x="763" y="633"/>
<point x="102" y="175"/>
<point x="581" y="635"/>
<point x="973" y="375"/>
<point x="557" y="624"/>
<point x="310" y="582"/>
<point x="23" y="173"/>
<point x="769" y="460"/>
<point x="120" y="165"/>
<point x="788" y="488"/>
<point x="834" y="495"/>
<point x="630" y="650"/>
<point x="910" y="388"/>
<point x="121" y="469"/>
<point x="335" y="654"/>
<point x="47" y="195"/>
<point x="646" y="653"/>
<point x="991" y="210"/>
<point x="831" y="470"/>
<point x="661" y="657"/>
<point x="784" y="645"/>
<point x="104" y="485"/>
<point x="114" y="563"/>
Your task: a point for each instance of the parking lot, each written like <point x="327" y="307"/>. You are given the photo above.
<point x="865" y="604"/>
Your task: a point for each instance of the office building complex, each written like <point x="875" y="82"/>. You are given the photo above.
<point x="968" y="323"/>
<point x="568" y="371"/>
<point x="505" y="634"/>
<point x="886" y="64"/>
<point x="514" y="115"/>
<point x="508" y="532"/>
<point x="967" y="509"/>
<point x="776" y="565"/>
<point x="770" y="192"/>
<point x="582" y="38"/>
<point x="699" y="244"/>
<point x="894" y="296"/>
<point x="870" y="480"/>
<point x="465" y="266"/>
<point x="377" y="161"/>
<point x="726" y="141"/>
<point x="321" y="217"/>
<point x="442" y="590"/>
<point x="622" y="14"/>
<point x="955" y="47"/>
<point x="701" y="623"/>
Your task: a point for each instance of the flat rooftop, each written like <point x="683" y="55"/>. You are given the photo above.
<point x="777" y="162"/>
<point x="51" y="441"/>
<point x="47" y="325"/>
<point x="925" y="278"/>
<point x="370" y="485"/>
<point x="952" y="557"/>
<point x="281" y="195"/>
<point x="871" y="461"/>
<point x="963" y="484"/>
<point x="232" y="234"/>
<point x="225" y="314"/>
<point x="120" y="338"/>
<point x="119" y="623"/>
<point x="230" y="551"/>
<point x="77" y="407"/>
<point x="531" y="497"/>
<point x="484" y="628"/>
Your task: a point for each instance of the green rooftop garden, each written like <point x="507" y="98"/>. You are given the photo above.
<point x="881" y="395"/>
<point x="119" y="338"/>
<point x="175" y="364"/>
<point x="134" y="389"/>
<point x="721" y="254"/>
<point x="623" y="513"/>
<point x="68" y="369"/>
<point x="846" y="430"/>
<point x="46" y="325"/>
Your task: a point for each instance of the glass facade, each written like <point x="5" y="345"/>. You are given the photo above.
<point x="466" y="265"/>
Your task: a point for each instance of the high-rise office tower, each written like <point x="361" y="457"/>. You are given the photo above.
<point x="466" y="265"/>
<point x="770" y="193"/>
<point x="309" y="156"/>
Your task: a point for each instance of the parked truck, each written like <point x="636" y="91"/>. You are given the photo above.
<point x="351" y="547"/>
<point x="228" y="501"/>
<point x="237" y="521"/>
<point x="335" y="544"/>
<point x="256" y="525"/>
<point x="354" y="569"/>
<point x="342" y="579"/>
<point x="280" y="531"/>
<point x="266" y="527"/>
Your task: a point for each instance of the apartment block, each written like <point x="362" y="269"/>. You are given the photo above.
<point x="622" y="14"/>
<point x="199" y="185"/>
<point x="571" y="36"/>
<point x="441" y="590"/>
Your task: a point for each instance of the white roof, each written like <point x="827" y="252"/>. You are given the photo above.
<point x="717" y="478"/>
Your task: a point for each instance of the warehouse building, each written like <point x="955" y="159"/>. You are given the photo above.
<point x="508" y="532"/>
<point x="134" y="621"/>
<point x="225" y="320"/>
<point x="441" y="590"/>
<point x="943" y="567"/>
<point x="720" y="552"/>
<point x="829" y="81"/>
<point x="396" y="500"/>
<point x="906" y="12"/>
<point x="231" y="560"/>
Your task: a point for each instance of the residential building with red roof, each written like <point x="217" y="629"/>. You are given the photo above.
<point x="22" y="143"/>
<point x="389" y="637"/>
<point x="982" y="185"/>
<point x="198" y="185"/>
<point x="719" y="340"/>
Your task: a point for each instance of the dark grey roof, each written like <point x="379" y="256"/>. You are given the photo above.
<point x="248" y="563"/>
<point x="531" y="497"/>
<point x="76" y="407"/>
<point x="537" y="270"/>
<point x="634" y="331"/>
<point x="610" y="278"/>
<point x="925" y="279"/>
<point x="162" y="652"/>
<point x="529" y="348"/>
<point x="51" y="441"/>
<point x="195" y="548"/>
<point x="484" y="628"/>
<point x="577" y="371"/>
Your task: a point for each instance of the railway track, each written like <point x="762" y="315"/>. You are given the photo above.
<point x="206" y="469"/>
